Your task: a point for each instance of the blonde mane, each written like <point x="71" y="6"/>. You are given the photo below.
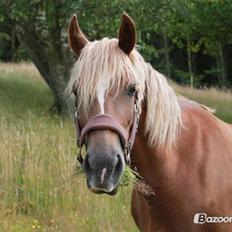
<point x="104" y="61"/>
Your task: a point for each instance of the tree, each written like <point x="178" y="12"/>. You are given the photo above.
<point x="213" y="21"/>
<point x="171" y="34"/>
<point x="41" y="27"/>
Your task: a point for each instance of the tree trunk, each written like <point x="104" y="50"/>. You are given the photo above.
<point x="221" y="65"/>
<point x="227" y="61"/>
<point x="218" y="68"/>
<point x="167" y="56"/>
<point x="190" y="62"/>
<point x="52" y="63"/>
<point x="13" y="46"/>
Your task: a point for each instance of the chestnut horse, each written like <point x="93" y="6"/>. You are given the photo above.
<point x="182" y="151"/>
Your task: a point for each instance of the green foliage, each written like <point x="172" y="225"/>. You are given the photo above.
<point x="201" y="27"/>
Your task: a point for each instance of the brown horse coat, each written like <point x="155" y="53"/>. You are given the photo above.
<point x="194" y="177"/>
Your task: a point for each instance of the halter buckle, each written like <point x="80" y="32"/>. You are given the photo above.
<point x="79" y="156"/>
<point x="127" y="154"/>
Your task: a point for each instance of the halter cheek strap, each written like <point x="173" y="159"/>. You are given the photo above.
<point x="107" y="122"/>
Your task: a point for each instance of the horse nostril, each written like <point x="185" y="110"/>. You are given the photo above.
<point x="86" y="163"/>
<point x="119" y="164"/>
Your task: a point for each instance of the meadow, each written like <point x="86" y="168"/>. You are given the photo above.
<point x="38" y="187"/>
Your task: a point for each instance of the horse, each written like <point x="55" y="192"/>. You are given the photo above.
<point x="127" y="113"/>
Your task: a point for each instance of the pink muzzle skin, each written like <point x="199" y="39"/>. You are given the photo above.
<point x="107" y="122"/>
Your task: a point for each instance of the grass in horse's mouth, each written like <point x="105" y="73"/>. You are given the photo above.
<point x="129" y="176"/>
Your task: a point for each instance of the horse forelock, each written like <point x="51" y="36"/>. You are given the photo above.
<point x="100" y="63"/>
<point x="103" y="65"/>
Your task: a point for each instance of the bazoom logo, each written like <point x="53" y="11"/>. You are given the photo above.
<point x="201" y="218"/>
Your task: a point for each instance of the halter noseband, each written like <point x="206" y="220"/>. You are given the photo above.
<point x="107" y="122"/>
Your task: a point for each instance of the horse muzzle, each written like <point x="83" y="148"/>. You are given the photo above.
<point x="104" y="162"/>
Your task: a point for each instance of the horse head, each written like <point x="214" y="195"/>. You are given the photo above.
<point x="106" y="92"/>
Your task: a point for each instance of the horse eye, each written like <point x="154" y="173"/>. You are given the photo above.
<point x="131" y="90"/>
<point x="74" y="90"/>
<point x="76" y="102"/>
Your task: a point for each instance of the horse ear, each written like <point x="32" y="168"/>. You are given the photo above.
<point x="127" y="34"/>
<point x="76" y="38"/>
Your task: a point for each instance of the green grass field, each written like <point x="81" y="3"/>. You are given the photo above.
<point x="38" y="188"/>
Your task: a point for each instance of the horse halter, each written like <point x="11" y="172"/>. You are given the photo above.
<point x="107" y="122"/>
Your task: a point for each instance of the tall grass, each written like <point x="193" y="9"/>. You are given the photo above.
<point x="38" y="191"/>
<point x="220" y="100"/>
<point x="38" y="188"/>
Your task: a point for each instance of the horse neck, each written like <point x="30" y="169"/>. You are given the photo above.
<point x="151" y="162"/>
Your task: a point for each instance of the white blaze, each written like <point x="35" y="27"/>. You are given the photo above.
<point x="101" y="90"/>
